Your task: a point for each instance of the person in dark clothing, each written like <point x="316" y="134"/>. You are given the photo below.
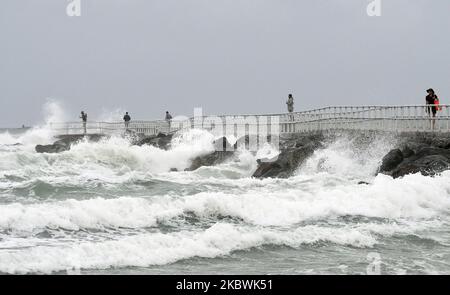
<point x="168" y="118"/>
<point x="290" y="103"/>
<point x="431" y="106"/>
<point x="83" y="117"/>
<point x="127" y="120"/>
<point x="290" y="106"/>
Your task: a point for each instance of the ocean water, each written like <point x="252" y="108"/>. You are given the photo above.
<point x="113" y="208"/>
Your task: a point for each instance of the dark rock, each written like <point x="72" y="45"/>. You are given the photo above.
<point x="417" y="146"/>
<point x="212" y="159"/>
<point x="223" y="151"/>
<point x="164" y="142"/>
<point x="391" y="160"/>
<point x="407" y="152"/>
<point x="427" y="165"/>
<point x="71" y="139"/>
<point x="363" y="183"/>
<point x="298" y="144"/>
<point x="61" y="145"/>
<point x="147" y="140"/>
<point x="173" y="170"/>
<point x="424" y="155"/>
<point x="64" y="142"/>
<point x="268" y="169"/>
<point x="294" y="150"/>
<point x="57" y="147"/>
<point x="439" y="142"/>
<point x="287" y="161"/>
<point x="161" y="141"/>
<point x="429" y="151"/>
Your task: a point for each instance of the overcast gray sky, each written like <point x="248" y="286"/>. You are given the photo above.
<point x="227" y="56"/>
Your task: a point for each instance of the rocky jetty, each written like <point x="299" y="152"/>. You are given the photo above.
<point x="427" y="153"/>
<point x="64" y="143"/>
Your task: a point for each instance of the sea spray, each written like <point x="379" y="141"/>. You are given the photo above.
<point x="350" y="156"/>
<point x="43" y="133"/>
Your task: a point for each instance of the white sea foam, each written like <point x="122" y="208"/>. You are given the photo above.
<point x="343" y="157"/>
<point x="414" y="197"/>
<point x="87" y="214"/>
<point x="157" y="249"/>
<point x="107" y="160"/>
<point x="120" y="155"/>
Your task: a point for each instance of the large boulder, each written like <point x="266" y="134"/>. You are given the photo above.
<point x="391" y="160"/>
<point x="161" y="141"/>
<point x="64" y="142"/>
<point x="269" y="169"/>
<point x="291" y="156"/>
<point x="212" y="159"/>
<point x="407" y="151"/>
<point x="223" y="151"/>
<point x="427" y="165"/>
<point x="442" y="142"/>
<point x="427" y="160"/>
<point x="57" y="147"/>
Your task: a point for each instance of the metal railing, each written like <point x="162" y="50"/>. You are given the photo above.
<point x="376" y="118"/>
<point x="147" y="128"/>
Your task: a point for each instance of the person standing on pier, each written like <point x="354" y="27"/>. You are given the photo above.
<point x="290" y="106"/>
<point x="83" y="117"/>
<point x="168" y="118"/>
<point x="431" y="108"/>
<point x="127" y="120"/>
